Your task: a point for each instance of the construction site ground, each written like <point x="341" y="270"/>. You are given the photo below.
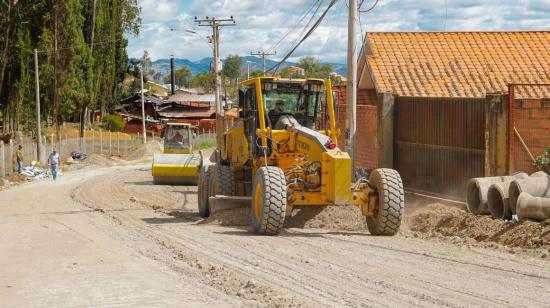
<point x="104" y="235"/>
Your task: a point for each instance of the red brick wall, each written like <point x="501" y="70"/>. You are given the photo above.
<point x="532" y="120"/>
<point x="367" y="151"/>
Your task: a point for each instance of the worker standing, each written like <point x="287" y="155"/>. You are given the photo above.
<point x="54" y="162"/>
<point x="19" y="158"/>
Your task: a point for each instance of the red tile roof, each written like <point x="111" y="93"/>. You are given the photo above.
<point x="458" y="64"/>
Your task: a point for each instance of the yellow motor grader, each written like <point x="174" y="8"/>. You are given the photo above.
<point x="281" y="152"/>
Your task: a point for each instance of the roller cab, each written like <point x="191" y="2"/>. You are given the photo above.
<point x="177" y="165"/>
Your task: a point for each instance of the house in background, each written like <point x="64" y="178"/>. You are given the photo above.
<point x="157" y="89"/>
<point x="443" y="107"/>
<point x="294" y="71"/>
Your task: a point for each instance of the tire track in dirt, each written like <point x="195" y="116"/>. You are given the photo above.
<point x="314" y="269"/>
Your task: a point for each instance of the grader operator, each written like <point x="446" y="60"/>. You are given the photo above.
<point x="282" y="153"/>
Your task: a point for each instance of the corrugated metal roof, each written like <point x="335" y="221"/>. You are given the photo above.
<point x="188" y="114"/>
<point x="188" y="97"/>
<point x="458" y="64"/>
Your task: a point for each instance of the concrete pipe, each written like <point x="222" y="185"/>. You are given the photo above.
<point x="537" y="208"/>
<point x="497" y="200"/>
<point x="478" y="187"/>
<point x="537" y="186"/>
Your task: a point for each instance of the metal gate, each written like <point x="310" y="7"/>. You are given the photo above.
<point x="439" y="143"/>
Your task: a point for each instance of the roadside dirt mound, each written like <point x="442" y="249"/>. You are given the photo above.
<point x="344" y="218"/>
<point x="94" y="159"/>
<point x="13" y="179"/>
<point x="145" y="151"/>
<point x="460" y="225"/>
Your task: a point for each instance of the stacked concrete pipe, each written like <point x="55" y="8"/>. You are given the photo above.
<point x="478" y="188"/>
<point x="536" y="186"/>
<point x="498" y="198"/>
<point x="537" y="208"/>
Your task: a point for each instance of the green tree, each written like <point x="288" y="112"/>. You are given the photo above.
<point x="183" y="75"/>
<point x="206" y="80"/>
<point x="232" y="66"/>
<point x="314" y="68"/>
<point x="256" y="73"/>
<point x="82" y="56"/>
<point x="112" y="122"/>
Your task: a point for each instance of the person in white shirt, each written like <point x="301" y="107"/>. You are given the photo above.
<point x="54" y="162"/>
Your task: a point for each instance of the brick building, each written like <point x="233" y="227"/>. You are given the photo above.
<point x="442" y="107"/>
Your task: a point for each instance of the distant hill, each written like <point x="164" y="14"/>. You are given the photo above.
<point x="203" y="65"/>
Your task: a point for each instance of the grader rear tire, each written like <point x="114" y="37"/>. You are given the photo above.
<point x="268" y="201"/>
<point x="221" y="181"/>
<point x="391" y="202"/>
<point x="204" y="190"/>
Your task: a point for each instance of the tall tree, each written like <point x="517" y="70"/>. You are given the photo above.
<point x="183" y="75"/>
<point x="206" y="80"/>
<point x="314" y="68"/>
<point x="82" y="56"/>
<point x="232" y="66"/>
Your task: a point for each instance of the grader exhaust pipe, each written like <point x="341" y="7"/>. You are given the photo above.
<point x="478" y="188"/>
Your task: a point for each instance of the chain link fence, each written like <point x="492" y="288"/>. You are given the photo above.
<point x="93" y="142"/>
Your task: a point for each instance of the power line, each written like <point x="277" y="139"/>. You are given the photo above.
<point x="306" y="26"/>
<point x="369" y="9"/>
<point x="285" y="35"/>
<point x="311" y="30"/>
<point x="263" y="54"/>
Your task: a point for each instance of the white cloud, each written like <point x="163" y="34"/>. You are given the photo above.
<point x="159" y="10"/>
<point x="260" y="23"/>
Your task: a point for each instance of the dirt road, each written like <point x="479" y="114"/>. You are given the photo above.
<point x="108" y="237"/>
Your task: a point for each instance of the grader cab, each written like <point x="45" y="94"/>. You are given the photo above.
<point x="282" y="153"/>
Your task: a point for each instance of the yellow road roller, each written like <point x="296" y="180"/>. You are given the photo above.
<point x="177" y="165"/>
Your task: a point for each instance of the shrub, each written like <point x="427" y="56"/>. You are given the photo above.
<point x="542" y="162"/>
<point x="113" y="122"/>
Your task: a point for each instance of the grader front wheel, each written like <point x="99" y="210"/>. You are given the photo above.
<point x="268" y="201"/>
<point x="391" y="202"/>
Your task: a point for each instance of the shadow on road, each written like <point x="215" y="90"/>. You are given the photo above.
<point x="174" y="217"/>
<point x="144" y="183"/>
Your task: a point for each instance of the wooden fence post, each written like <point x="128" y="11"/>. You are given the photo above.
<point x="100" y="141"/>
<point x="10" y="158"/>
<point x="2" y="159"/>
<point x="93" y="141"/>
<point x="118" y="142"/>
<point x="110" y="145"/>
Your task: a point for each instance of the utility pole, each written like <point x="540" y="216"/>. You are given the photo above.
<point x="143" y="109"/>
<point x="248" y="69"/>
<point x="172" y="76"/>
<point x="262" y="54"/>
<point x="38" y="125"/>
<point x="215" y="24"/>
<point x="352" y="81"/>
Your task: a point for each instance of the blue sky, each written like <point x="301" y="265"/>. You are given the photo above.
<point x="261" y="23"/>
